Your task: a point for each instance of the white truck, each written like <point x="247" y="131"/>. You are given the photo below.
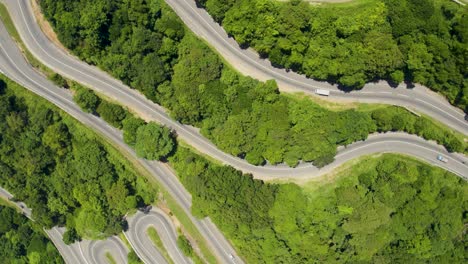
<point x="322" y="92"/>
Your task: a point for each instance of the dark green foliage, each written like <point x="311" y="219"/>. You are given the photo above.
<point x="184" y="244"/>
<point x="154" y="142"/>
<point x="391" y="210"/>
<point x="135" y="40"/>
<point x="147" y="48"/>
<point x="70" y="236"/>
<point x="58" y="80"/>
<point x="22" y="241"/>
<point x="112" y="113"/>
<point x="86" y="99"/>
<point x="66" y="174"/>
<point x="354" y="44"/>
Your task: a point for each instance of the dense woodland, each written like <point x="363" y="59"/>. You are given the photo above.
<point x="143" y="43"/>
<point x="387" y="210"/>
<point x="421" y="41"/>
<point x="65" y="173"/>
<point x="22" y="241"/>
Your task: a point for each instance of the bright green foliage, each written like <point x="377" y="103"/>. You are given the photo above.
<point x="422" y="41"/>
<point x="66" y="174"/>
<point x="242" y="116"/>
<point x="154" y="142"/>
<point x="86" y="99"/>
<point x="184" y="244"/>
<point x="130" y="127"/>
<point x="397" y="119"/>
<point x="390" y="210"/>
<point x="133" y="258"/>
<point x="23" y="242"/>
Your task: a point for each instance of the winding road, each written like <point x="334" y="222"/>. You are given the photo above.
<point x="85" y="251"/>
<point x="89" y="251"/>
<point x="71" y="67"/>
<point x="248" y="62"/>
<point x="14" y="66"/>
<point x="138" y="237"/>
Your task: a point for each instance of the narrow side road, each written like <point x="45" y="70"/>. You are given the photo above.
<point x="85" y="251"/>
<point x="69" y="66"/>
<point x="13" y="64"/>
<point x="137" y="235"/>
<point x="248" y="62"/>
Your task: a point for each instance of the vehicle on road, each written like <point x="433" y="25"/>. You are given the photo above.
<point x="322" y="92"/>
<point x="442" y="158"/>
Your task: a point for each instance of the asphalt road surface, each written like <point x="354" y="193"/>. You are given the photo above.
<point x="73" y="68"/>
<point x="137" y="235"/>
<point x="85" y="251"/>
<point x="249" y="63"/>
<point x="13" y="64"/>
<point x="89" y="251"/>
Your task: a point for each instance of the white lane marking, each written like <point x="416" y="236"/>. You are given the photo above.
<point x="175" y="124"/>
<point x="137" y="250"/>
<point x="197" y="137"/>
<point x="81" y="252"/>
<point x="409" y="143"/>
<point x="271" y="71"/>
<point x="63" y="107"/>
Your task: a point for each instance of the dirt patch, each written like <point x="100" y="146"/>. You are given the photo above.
<point x="45" y="25"/>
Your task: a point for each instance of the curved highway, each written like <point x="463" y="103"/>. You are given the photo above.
<point x="73" y="68"/>
<point x="137" y="235"/>
<point x="79" y="252"/>
<point x="89" y="251"/>
<point x="249" y="63"/>
<point x="13" y="65"/>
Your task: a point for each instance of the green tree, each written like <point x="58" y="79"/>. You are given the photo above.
<point x="70" y="236"/>
<point x="184" y="245"/>
<point x="130" y="126"/>
<point x="154" y="142"/>
<point x="112" y="113"/>
<point x="86" y="99"/>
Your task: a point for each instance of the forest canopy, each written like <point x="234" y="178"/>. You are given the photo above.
<point x="21" y="241"/>
<point x="63" y="171"/>
<point x="144" y="44"/>
<point x="420" y="41"/>
<point x="390" y="209"/>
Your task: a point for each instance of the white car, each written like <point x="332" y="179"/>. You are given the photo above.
<point x="442" y="158"/>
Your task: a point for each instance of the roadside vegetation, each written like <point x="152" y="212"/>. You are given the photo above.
<point x="64" y="172"/>
<point x="154" y="236"/>
<point x="22" y="241"/>
<point x="184" y="244"/>
<point x="145" y="45"/>
<point x="389" y="210"/>
<point x="363" y="212"/>
<point x="368" y="213"/>
<point x="418" y="41"/>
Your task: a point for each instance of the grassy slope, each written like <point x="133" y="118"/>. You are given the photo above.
<point x="153" y="234"/>
<point x="174" y="207"/>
